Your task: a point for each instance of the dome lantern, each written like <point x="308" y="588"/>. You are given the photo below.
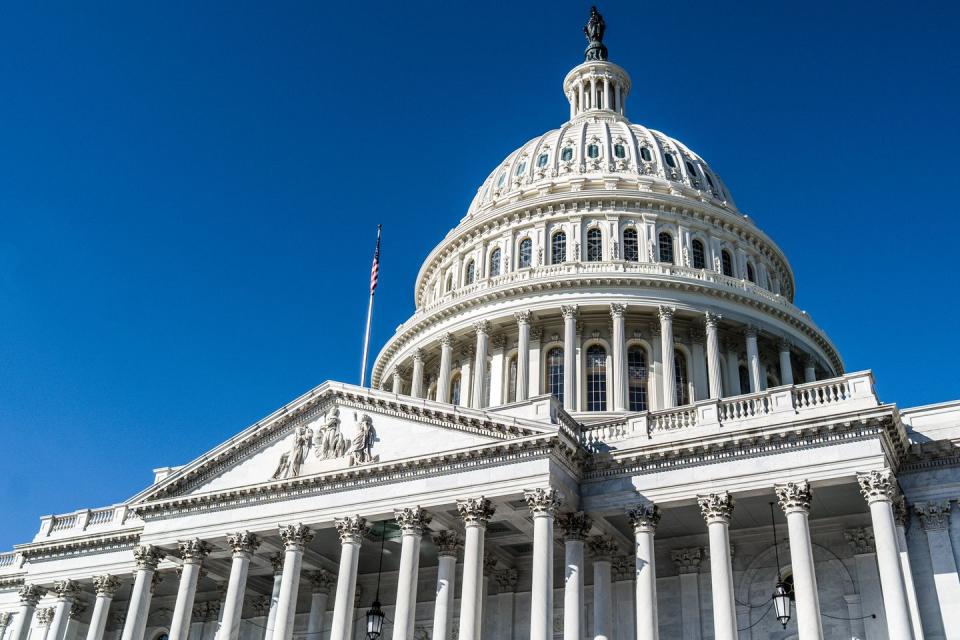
<point x="597" y="87"/>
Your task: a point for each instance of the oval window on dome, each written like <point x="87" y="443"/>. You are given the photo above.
<point x="619" y="151"/>
<point x="567" y="154"/>
<point x="709" y="181"/>
<point x="521" y="168"/>
<point x="593" y="151"/>
<point x="691" y="169"/>
<point x="671" y="162"/>
<point x="500" y="180"/>
<point x="645" y="154"/>
<point x="542" y="160"/>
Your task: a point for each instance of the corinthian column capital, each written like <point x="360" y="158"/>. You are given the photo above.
<point x="482" y="327"/>
<point x="934" y="515"/>
<point x="543" y="501"/>
<point x="568" y="311"/>
<point x="523" y="317"/>
<point x="617" y="310"/>
<point x="575" y="525"/>
<point x="321" y="581"/>
<point x="644" y="517"/>
<point x="412" y="520"/>
<point x="106" y="585"/>
<point x="447" y="543"/>
<point x="243" y="542"/>
<point x="30" y="594"/>
<point x="711" y="319"/>
<point x="475" y="510"/>
<point x="295" y="535"/>
<point x="45" y="616"/>
<point x="193" y="551"/>
<point x="147" y="556"/>
<point x="666" y="312"/>
<point x="794" y="496"/>
<point x="687" y="560"/>
<point x="351" y="528"/>
<point x="878" y="485"/>
<point x="66" y="589"/>
<point x="716" y="507"/>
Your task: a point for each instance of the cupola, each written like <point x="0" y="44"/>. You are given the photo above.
<point x="596" y="87"/>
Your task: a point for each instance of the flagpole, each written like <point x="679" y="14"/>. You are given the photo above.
<point x="366" y="334"/>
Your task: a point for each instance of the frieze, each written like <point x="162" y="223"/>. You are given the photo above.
<point x="73" y="546"/>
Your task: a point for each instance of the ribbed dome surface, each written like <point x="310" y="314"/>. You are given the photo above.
<point x="600" y="150"/>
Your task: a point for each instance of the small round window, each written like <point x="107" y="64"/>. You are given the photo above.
<point x="542" y="160"/>
<point x="619" y="151"/>
<point x="567" y="154"/>
<point x="645" y="154"/>
<point x="593" y="151"/>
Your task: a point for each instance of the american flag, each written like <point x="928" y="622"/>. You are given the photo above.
<point x="375" y="268"/>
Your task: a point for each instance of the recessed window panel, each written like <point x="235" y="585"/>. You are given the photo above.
<point x="593" y="151"/>
<point x="619" y="151"/>
<point x="555" y="373"/>
<point x="665" y="245"/>
<point x="631" y="245"/>
<point x="526" y="253"/>
<point x="567" y="154"/>
<point x="596" y="378"/>
<point x="699" y="255"/>
<point x="558" y="248"/>
<point x="637" y="377"/>
<point x="594" y="245"/>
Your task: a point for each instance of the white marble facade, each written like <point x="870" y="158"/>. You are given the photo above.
<point x="575" y="436"/>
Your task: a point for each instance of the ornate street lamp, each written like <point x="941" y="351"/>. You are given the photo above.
<point x="375" y="615"/>
<point x="781" y="597"/>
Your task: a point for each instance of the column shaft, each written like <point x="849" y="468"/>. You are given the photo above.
<point x="717" y="509"/>
<point x="795" y="499"/>
<point x="350" y="530"/>
<point x="733" y="371"/>
<point x="900" y="510"/>
<point x="666" y="350"/>
<point x="183" y="609"/>
<point x="523" y="356"/>
<point x="147" y="557"/>
<point x="541" y="589"/>
<point x="416" y="381"/>
<point x="712" y="322"/>
<point x="602" y="594"/>
<point x="318" y="609"/>
<point x="619" y="358"/>
<point x="443" y="377"/>
<point x="472" y="580"/>
<point x="935" y="517"/>
<point x="644" y="519"/>
<point x="412" y="522"/>
<point x="98" y="619"/>
<point x="753" y="359"/>
<point x="478" y="401"/>
<point x="294" y="537"/>
<point x="569" y="357"/>
<point x="573" y="590"/>
<point x="443" y="607"/>
<point x="244" y="544"/>
<point x="29" y="596"/>
<point x="786" y="366"/>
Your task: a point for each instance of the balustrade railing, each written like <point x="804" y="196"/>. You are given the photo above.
<point x="8" y="559"/>
<point x="101" y="516"/>
<point x="63" y="522"/>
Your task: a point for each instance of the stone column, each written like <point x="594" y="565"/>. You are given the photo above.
<point x="320" y="584"/>
<point x="644" y="519"/>
<point x="44" y="618"/>
<point x="295" y="537"/>
<point x="733" y="369"/>
<point x="868" y="579"/>
<point x="5" y="618"/>
<point x="475" y="513"/>
<point x="878" y="488"/>
<point x="619" y="357"/>
<point x="523" y="355"/>
<point x="66" y="592"/>
<point x="192" y="552"/>
<point x="496" y="392"/>
<point x="753" y="358"/>
<point x="687" y="562"/>
<point x="506" y="589"/>
<point x="30" y="595"/>
<point x="466" y="375"/>
<point x="809" y="369"/>
<point x="543" y="504"/>
<point x="786" y="367"/>
<point x="935" y="518"/>
<point x="569" y="357"/>
<point x="483" y="606"/>
<point x="712" y="323"/>
<point x="698" y="365"/>
<point x="794" y="499"/>
<point x="666" y="350"/>
<point x="902" y="517"/>
<point x="478" y="401"/>
<point x="398" y="373"/>
<point x="412" y="522"/>
<point x="351" y="531"/>
<point x="277" y="561"/>
<point x="106" y="587"/>
<point x="244" y="544"/>
<point x="147" y="557"/>
<point x="416" y="381"/>
<point x="575" y="527"/>
<point x="447" y="544"/>
<point x="602" y="551"/>
<point x="717" y="508"/>
<point x="446" y="359"/>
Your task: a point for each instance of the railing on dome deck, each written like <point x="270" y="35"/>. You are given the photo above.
<point x="851" y="391"/>
<point x="611" y="267"/>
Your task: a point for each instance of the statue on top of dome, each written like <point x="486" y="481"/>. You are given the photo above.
<point x="594" y="30"/>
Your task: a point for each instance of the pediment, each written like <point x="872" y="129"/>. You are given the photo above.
<point x="336" y="428"/>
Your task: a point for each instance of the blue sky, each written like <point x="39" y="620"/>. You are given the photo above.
<point x="189" y="194"/>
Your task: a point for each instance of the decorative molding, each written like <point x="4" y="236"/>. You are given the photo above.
<point x="794" y="497"/>
<point x="575" y="525"/>
<point x="543" y="501"/>
<point x="81" y="545"/>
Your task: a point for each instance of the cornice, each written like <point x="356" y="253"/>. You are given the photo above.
<point x="9" y="583"/>
<point x="555" y="444"/>
<point x="748" y="443"/>
<point x="417" y="326"/>
<point x="114" y="540"/>
<point x="930" y="455"/>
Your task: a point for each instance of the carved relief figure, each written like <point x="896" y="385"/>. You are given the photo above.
<point x="329" y="443"/>
<point x="290" y="462"/>
<point x="361" y="450"/>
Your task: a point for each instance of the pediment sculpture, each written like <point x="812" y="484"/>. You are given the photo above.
<point x="329" y="444"/>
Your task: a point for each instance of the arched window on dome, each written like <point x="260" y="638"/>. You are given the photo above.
<point x="554" y="371"/>
<point x="692" y="171"/>
<point x="619" y="151"/>
<point x="542" y="160"/>
<point x="593" y="151"/>
<point x="596" y="378"/>
<point x="455" y="389"/>
<point x="680" y="379"/>
<point x="501" y="180"/>
<point x="699" y="255"/>
<point x="709" y="180"/>
<point x="521" y="168"/>
<point x="558" y="248"/>
<point x="512" y="379"/>
<point x="470" y="273"/>
<point x="525" y="257"/>
<point x="751" y="274"/>
<point x="665" y="247"/>
<point x="495" y="263"/>
<point x="567" y="154"/>
<point x="726" y="263"/>
<point x="637" y="378"/>
<point x="631" y="245"/>
<point x="645" y="154"/>
<point x="671" y="161"/>
<point x="448" y="287"/>
<point x="594" y="245"/>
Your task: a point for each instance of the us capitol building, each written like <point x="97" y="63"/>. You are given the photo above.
<point x="605" y="419"/>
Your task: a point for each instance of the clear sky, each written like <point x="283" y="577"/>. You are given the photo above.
<point x="189" y="193"/>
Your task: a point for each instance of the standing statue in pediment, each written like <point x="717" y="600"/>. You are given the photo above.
<point x="290" y="462"/>
<point x="361" y="449"/>
<point x="329" y="443"/>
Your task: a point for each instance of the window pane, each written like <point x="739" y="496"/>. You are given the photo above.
<point x="596" y="378"/>
<point x="726" y="263"/>
<point x="699" y="255"/>
<point x="619" y="151"/>
<point x="665" y="244"/>
<point x="455" y="389"/>
<point x="593" y="151"/>
<point x="555" y="373"/>
<point x="526" y="253"/>
<point x="521" y="168"/>
<point x="631" y="245"/>
<point x="558" y="248"/>
<point x="751" y="276"/>
<point x="670" y="161"/>
<point x="645" y="154"/>
<point x="594" y="245"/>
<point x="471" y="273"/>
<point x="512" y="380"/>
<point x="681" y="391"/>
<point x="637" y="378"/>
<point x="500" y="180"/>
<point x="567" y="154"/>
<point x="542" y="160"/>
<point x="495" y="263"/>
